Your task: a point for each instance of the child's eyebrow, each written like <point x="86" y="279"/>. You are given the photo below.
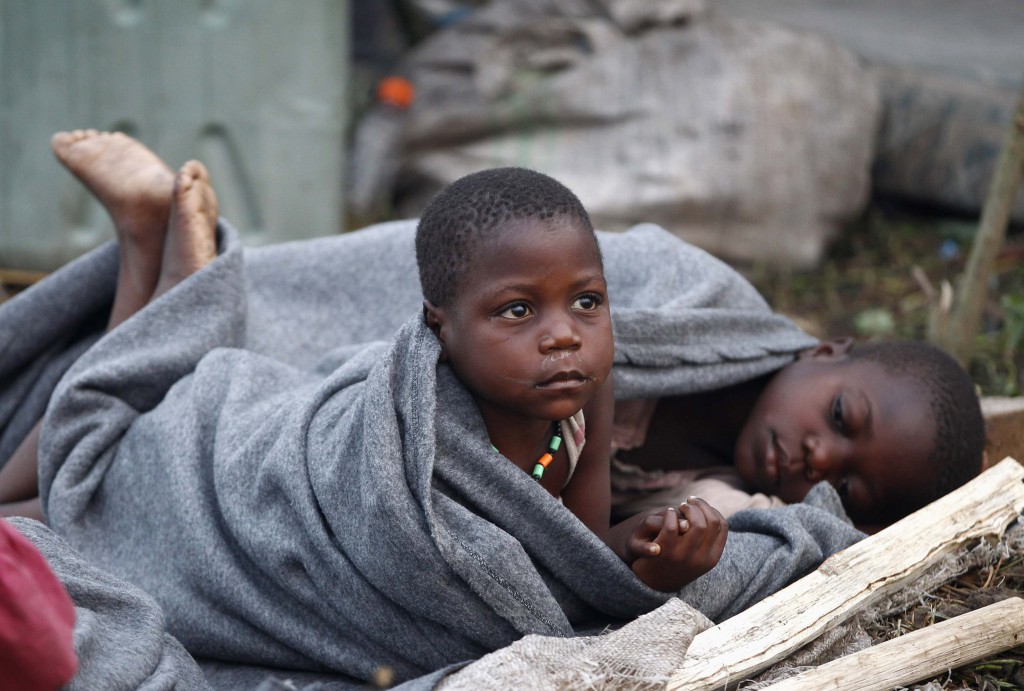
<point x="587" y="280"/>
<point x="496" y="291"/>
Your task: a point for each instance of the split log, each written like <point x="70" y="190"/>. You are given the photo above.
<point x="852" y="580"/>
<point x="920" y="654"/>
<point x="1004" y="427"/>
<point x="19" y="277"/>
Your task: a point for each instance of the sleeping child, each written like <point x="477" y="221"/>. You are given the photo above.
<point x="891" y="425"/>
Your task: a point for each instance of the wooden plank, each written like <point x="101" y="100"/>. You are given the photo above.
<point x="20" y="277"/>
<point x="1004" y="426"/>
<point x="851" y="580"/>
<point x="920" y="654"/>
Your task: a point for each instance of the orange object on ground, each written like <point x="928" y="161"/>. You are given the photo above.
<point x="396" y="91"/>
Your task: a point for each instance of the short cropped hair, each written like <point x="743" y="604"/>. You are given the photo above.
<point x="469" y="212"/>
<point x="959" y="442"/>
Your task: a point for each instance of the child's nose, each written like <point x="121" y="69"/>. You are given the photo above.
<point x="818" y="459"/>
<point x="561" y="334"/>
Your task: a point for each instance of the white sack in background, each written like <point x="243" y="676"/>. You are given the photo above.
<point x="745" y="138"/>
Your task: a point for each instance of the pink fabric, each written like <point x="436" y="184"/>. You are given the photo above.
<point x="574" y="434"/>
<point x="635" y="490"/>
<point x="632" y="418"/>
<point x="37" y="619"/>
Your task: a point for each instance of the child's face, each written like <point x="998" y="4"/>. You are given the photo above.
<point x="529" y="331"/>
<point x="827" y="417"/>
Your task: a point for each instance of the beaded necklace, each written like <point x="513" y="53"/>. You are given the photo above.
<point x="544" y="461"/>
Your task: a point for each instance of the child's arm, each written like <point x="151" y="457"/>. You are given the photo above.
<point x="588" y="494"/>
<point x="665" y="552"/>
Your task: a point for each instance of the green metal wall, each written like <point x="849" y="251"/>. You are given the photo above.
<point x="257" y="89"/>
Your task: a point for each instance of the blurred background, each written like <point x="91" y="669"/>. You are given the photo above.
<point x="838" y="152"/>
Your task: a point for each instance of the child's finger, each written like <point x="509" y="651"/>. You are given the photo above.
<point x="684" y="524"/>
<point x="670" y="525"/>
<point x="712" y="524"/>
<point x="709" y="512"/>
<point x="664" y="538"/>
<point x="638" y="547"/>
<point x="693" y="512"/>
<point x="652" y="524"/>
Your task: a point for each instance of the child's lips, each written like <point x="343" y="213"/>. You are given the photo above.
<point x="564" y="380"/>
<point x="775" y="459"/>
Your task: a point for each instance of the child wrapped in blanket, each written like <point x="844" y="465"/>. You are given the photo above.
<point x="258" y="571"/>
<point x="514" y="288"/>
<point x="515" y="292"/>
<point x="683" y="444"/>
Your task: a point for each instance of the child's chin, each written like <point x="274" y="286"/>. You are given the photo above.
<point x="558" y="407"/>
<point x="794" y="493"/>
<point x="746" y="467"/>
<point x="555" y="413"/>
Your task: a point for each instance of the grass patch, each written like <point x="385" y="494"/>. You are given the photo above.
<point x="881" y="277"/>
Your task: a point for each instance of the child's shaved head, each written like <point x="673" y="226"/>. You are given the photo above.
<point x="959" y="426"/>
<point x="468" y="212"/>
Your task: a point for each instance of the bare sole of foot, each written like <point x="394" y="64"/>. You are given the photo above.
<point x="134" y="185"/>
<point x="131" y="182"/>
<point x="191" y="241"/>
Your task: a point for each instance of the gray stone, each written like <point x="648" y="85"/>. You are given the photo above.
<point x="950" y="73"/>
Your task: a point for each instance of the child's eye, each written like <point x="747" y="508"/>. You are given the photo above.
<point x="843" y="488"/>
<point x="837" y="412"/>
<point x="517" y="310"/>
<point x="587" y="303"/>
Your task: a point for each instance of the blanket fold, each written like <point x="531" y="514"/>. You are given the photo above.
<point x="120" y="639"/>
<point x="273" y="452"/>
<point x="348" y="522"/>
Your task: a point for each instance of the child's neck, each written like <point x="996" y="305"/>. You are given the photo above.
<point x="696" y="430"/>
<point x="521" y="440"/>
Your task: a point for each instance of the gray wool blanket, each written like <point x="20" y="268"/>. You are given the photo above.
<point x="272" y="451"/>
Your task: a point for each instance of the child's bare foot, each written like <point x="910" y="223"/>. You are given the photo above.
<point x="131" y="182"/>
<point x="134" y="186"/>
<point x="191" y="240"/>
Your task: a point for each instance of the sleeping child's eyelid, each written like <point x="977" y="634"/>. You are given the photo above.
<point x="844" y="488"/>
<point x="837" y="412"/>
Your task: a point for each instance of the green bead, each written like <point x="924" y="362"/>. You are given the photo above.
<point x="556" y="442"/>
<point x="538" y="471"/>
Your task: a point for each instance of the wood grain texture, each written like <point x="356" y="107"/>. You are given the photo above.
<point x="919" y="654"/>
<point x="851" y="580"/>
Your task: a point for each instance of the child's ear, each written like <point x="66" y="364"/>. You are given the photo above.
<point x="434" y="316"/>
<point x="836" y="348"/>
